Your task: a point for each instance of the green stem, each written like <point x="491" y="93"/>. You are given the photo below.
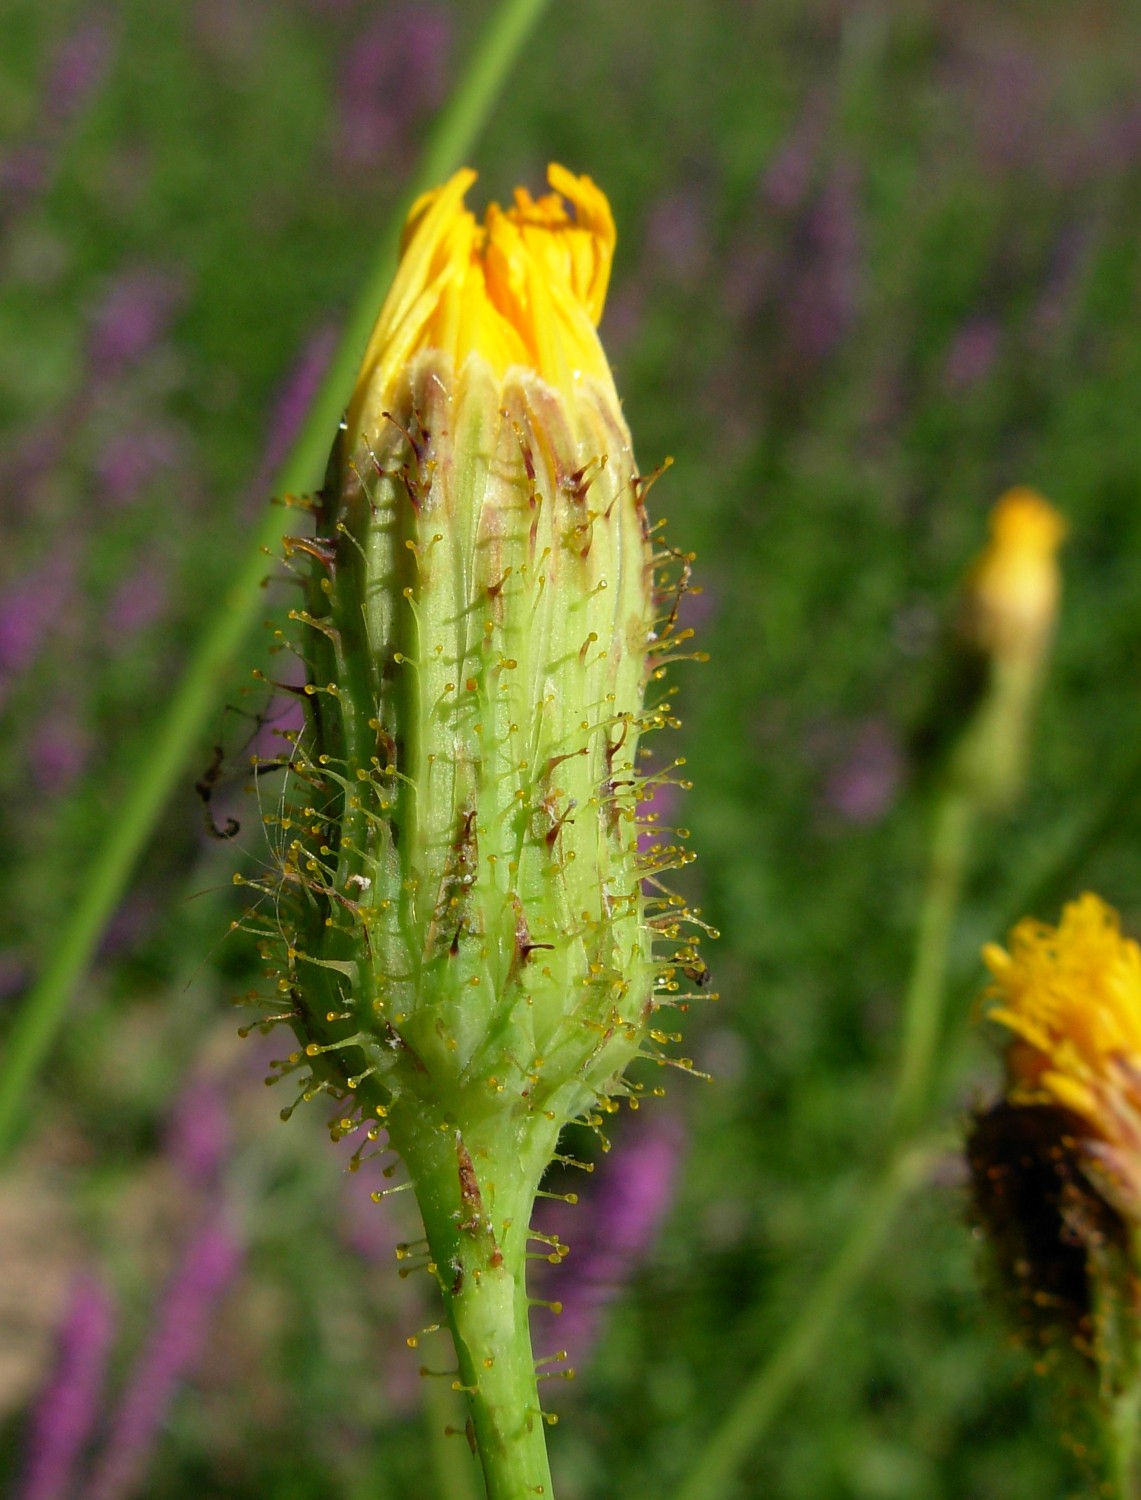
<point x="1117" y="1343"/>
<point x="1120" y="1437"/>
<point x="157" y="764"/>
<point x="923" y="1003"/>
<point x="475" y="1182"/>
<point x="765" y="1394"/>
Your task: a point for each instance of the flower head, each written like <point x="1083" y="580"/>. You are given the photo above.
<point x="524" y="288"/>
<point x="1071" y="996"/>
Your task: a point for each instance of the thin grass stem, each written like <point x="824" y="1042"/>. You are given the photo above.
<point x="157" y="763"/>
<point x="923" y="1005"/>
<point x="770" y="1386"/>
<point x="763" y="1396"/>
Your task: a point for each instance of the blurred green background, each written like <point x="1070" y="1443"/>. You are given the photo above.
<point x="877" y="261"/>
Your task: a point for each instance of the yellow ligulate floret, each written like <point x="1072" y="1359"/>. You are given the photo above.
<point x="524" y="288"/>
<point x="1071" y="995"/>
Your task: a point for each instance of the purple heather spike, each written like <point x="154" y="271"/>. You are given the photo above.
<point x="199" y="1135"/>
<point x="139" y="601"/>
<point x="133" y="317"/>
<point x="209" y="1265"/>
<point x="77" y="70"/>
<point x="74" y="74"/>
<point x="393" y="75"/>
<point x="678" y="237"/>
<point x="863" y="785"/>
<point x="28" y="610"/>
<point x="131" y="459"/>
<point x="822" y="299"/>
<point x="68" y="1409"/>
<point x="293" y="401"/>
<point x="60" y="746"/>
<point x="610" y="1232"/>
<point x="972" y="354"/>
<point x="788" y="176"/>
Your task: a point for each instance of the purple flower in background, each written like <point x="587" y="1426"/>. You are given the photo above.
<point x="1063" y="278"/>
<point x="291" y="405"/>
<point x="862" y="787"/>
<point x="59" y="747"/>
<point x="24" y="172"/>
<point x="749" y="272"/>
<point x="972" y="354"/>
<point x="68" y="1409"/>
<point x="199" y="1135"/>
<point x="820" y="304"/>
<point x="752" y="270"/>
<point x="78" y="68"/>
<point x="392" y="75"/>
<point x="678" y="236"/>
<point x="14" y="974"/>
<point x="131" y="459"/>
<point x="611" y="1231"/>
<point x="198" y="1143"/>
<point x="369" y="1229"/>
<point x="788" y="176"/>
<point x="282" y="716"/>
<point x="137" y="603"/>
<point x="625" y="308"/>
<point x="209" y="1265"/>
<point x="134" y="315"/>
<point x="1000" y="85"/>
<point x="699" y="606"/>
<point x="1119" y="141"/>
<point x="29" y="608"/>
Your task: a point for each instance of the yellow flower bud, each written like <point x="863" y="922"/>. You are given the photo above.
<point x="473" y="948"/>
<point x="1006" y="621"/>
<point x="1010" y="599"/>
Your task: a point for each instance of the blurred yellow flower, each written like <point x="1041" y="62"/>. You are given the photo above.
<point x="1011" y="594"/>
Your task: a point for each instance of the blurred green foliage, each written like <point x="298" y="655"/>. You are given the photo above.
<point x="877" y="261"/>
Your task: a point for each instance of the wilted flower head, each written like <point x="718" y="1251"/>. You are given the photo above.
<point x="1071" y="996"/>
<point x="1056" y="1164"/>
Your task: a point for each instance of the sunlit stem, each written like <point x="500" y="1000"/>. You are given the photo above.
<point x="475" y="1181"/>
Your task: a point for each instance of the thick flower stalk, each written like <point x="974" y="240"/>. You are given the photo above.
<point x="1057" y="1163"/>
<point x="471" y="960"/>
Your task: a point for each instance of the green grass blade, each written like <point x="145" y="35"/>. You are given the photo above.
<point x="159" y="762"/>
